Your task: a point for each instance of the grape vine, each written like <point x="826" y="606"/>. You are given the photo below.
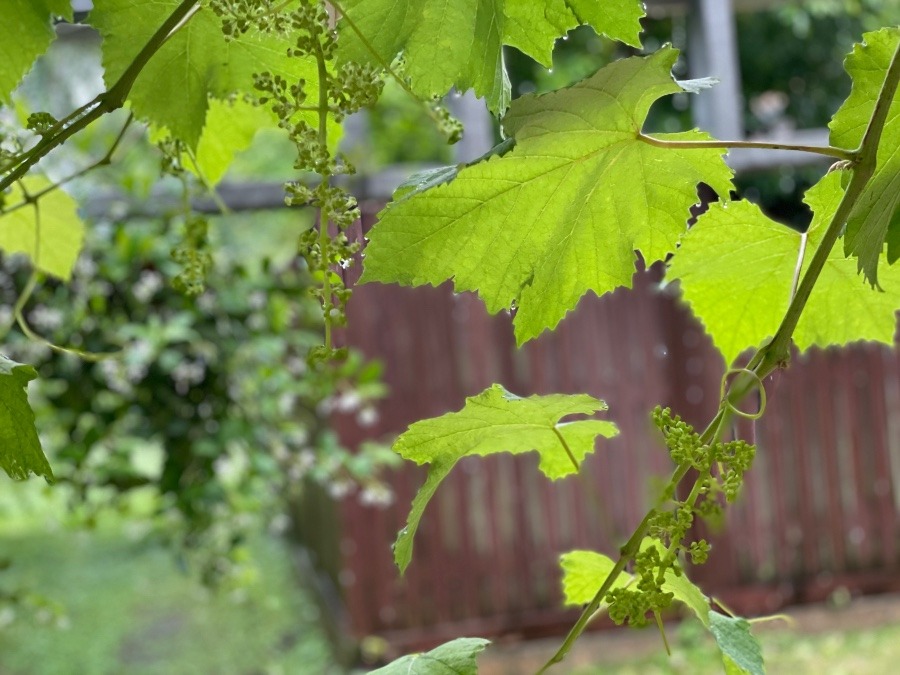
<point x="520" y="227"/>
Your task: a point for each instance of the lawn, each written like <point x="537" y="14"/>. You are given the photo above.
<point x="127" y="608"/>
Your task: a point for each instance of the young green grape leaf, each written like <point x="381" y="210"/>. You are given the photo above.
<point x="20" y="447"/>
<point x="50" y="232"/>
<point x="741" y="651"/>
<point x="688" y="593"/>
<point x="497" y="421"/>
<point x="741" y="305"/>
<point x="25" y="33"/>
<point x="561" y="213"/>
<point x="458" y="43"/>
<point x="457" y="657"/>
<point x="876" y="216"/>
<point x="194" y="64"/>
<point x="584" y="573"/>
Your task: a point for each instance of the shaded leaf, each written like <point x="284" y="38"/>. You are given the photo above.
<point x="196" y="63"/>
<point x="876" y="215"/>
<point x="25" y="33"/>
<point x="458" y="43"/>
<point x="739" y="648"/>
<point x="457" y="657"/>
<point x="20" y="447"/>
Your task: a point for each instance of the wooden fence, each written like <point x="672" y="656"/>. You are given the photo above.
<point x="819" y="511"/>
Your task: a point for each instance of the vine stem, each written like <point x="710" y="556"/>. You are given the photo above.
<point x="103" y="161"/>
<point x="326" y="178"/>
<point x="827" y="150"/>
<point x="111" y="99"/>
<point x="775" y="353"/>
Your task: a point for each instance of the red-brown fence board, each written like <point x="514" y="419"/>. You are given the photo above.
<point x="820" y="508"/>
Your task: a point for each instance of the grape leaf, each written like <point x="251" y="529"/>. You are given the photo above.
<point x="584" y="573"/>
<point x="498" y="421"/>
<point x="563" y="211"/>
<point x="196" y="63"/>
<point x="459" y="43"/>
<point x="741" y="304"/>
<point x="54" y="219"/>
<point x="25" y="33"/>
<point x="876" y="215"/>
<point x="20" y="447"/>
<point x="457" y="657"/>
<point x="741" y="651"/>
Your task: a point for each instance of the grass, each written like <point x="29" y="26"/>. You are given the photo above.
<point x="128" y="609"/>
<point x="787" y="651"/>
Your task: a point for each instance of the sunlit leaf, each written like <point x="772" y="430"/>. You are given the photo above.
<point x="497" y="421"/>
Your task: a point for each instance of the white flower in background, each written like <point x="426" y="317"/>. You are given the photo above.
<point x="147" y="285"/>
<point x="347" y="402"/>
<point x="257" y="300"/>
<point x="367" y="417"/>
<point x="340" y="489"/>
<point x="376" y="495"/>
<point x="45" y="318"/>
<point x="85" y="267"/>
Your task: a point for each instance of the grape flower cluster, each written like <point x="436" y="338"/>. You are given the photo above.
<point x="305" y="110"/>
<point x="720" y="467"/>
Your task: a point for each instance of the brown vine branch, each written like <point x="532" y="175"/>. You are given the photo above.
<point x="112" y="99"/>
<point x="103" y="161"/>
<point x="774" y="354"/>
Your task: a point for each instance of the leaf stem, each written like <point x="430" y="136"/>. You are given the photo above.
<point x="828" y="150"/>
<point x="804" y="238"/>
<point x="324" y="242"/>
<point x="112" y="99"/>
<point x="566" y="448"/>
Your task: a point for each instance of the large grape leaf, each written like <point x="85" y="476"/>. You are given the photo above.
<point x="498" y="421"/>
<point x="25" y="33"/>
<point x="458" y="43"/>
<point x="736" y="268"/>
<point x="876" y="215"/>
<point x="563" y="211"/>
<point x="20" y="447"/>
<point x="457" y="657"/>
<point x="196" y="63"/>
<point x="50" y="232"/>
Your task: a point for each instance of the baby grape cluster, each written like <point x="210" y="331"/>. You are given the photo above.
<point x="305" y="111"/>
<point x="720" y="467"/>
